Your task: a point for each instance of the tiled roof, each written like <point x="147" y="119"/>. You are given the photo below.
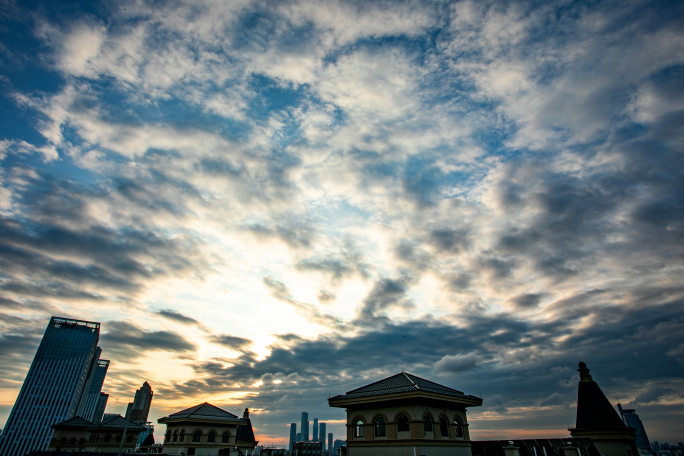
<point x="76" y="421"/>
<point x="204" y="411"/>
<point x="400" y="383"/>
<point x="118" y="422"/>
<point x="245" y="433"/>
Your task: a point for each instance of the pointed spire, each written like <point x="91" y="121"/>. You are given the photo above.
<point x="584" y="373"/>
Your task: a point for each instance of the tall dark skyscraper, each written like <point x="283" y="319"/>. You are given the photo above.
<point x="330" y="442"/>
<point x="54" y="386"/>
<point x="305" y="427"/>
<point x="100" y="408"/>
<point x="314" y="437"/>
<point x="293" y="434"/>
<point x="321" y="434"/>
<point x="140" y="407"/>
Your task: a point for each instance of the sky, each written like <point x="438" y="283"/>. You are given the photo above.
<point x="266" y="203"/>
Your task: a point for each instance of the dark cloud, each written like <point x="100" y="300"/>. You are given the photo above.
<point x="449" y="240"/>
<point x="387" y="293"/>
<point x="236" y="343"/>
<point x="129" y="341"/>
<point x="527" y="300"/>
<point x="177" y="317"/>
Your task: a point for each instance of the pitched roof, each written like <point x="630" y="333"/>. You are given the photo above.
<point x="594" y="410"/>
<point x="204" y="411"/>
<point x="76" y="421"/>
<point x="119" y="422"/>
<point x="400" y="383"/>
<point x="245" y="433"/>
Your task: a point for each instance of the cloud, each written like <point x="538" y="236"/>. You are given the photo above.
<point x="177" y="316"/>
<point x="125" y="339"/>
<point x="458" y="363"/>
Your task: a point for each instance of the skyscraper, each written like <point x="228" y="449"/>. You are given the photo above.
<point x="330" y="442"/>
<point x="138" y="410"/>
<point x="631" y="419"/>
<point x="100" y="408"/>
<point x="293" y="434"/>
<point x="314" y="437"/>
<point x="91" y="392"/>
<point x="305" y="427"/>
<point x="321" y="434"/>
<point x="54" y="385"/>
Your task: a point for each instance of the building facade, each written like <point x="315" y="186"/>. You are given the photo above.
<point x="304" y="429"/>
<point x="206" y="430"/>
<point x="631" y="419"/>
<point x="91" y="393"/>
<point x="79" y="434"/>
<point x="54" y="386"/>
<point x="403" y="414"/>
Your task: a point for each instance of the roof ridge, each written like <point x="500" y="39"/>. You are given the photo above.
<point x="406" y="374"/>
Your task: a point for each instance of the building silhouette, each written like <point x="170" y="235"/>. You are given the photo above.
<point x="138" y="410"/>
<point x="314" y="437"/>
<point x="304" y="430"/>
<point x="293" y="435"/>
<point x="631" y="419"/>
<point x="598" y="421"/>
<point x="321" y="434"/>
<point x="54" y="387"/>
<point x="330" y="442"/>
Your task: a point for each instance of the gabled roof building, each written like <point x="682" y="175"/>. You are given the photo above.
<point x="79" y="434"/>
<point x="406" y="414"/>
<point x="208" y="430"/>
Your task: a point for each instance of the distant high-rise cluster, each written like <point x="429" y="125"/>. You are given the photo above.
<point x="64" y="381"/>
<point x="319" y="433"/>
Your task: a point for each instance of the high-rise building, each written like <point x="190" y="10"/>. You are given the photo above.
<point x="138" y="410"/>
<point x="330" y="442"/>
<point x="91" y="392"/>
<point x="293" y="434"/>
<point x="314" y="437"/>
<point x="632" y="420"/>
<point x="100" y="409"/>
<point x="321" y="434"/>
<point x="53" y="387"/>
<point x="305" y="427"/>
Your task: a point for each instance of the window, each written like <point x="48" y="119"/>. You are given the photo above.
<point x="107" y="438"/>
<point x="81" y="441"/>
<point x="225" y="438"/>
<point x="358" y="428"/>
<point x="62" y="441"/>
<point x="444" y="427"/>
<point x="403" y="423"/>
<point x="168" y="436"/>
<point x="458" y="431"/>
<point x="72" y="441"/>
<point x="182" y="435"/>
<point x="211" y="437"/>
<point x="427" y="423"/>
<point x="196" y="436"/>
<point x="380" y="428"/>
<point x="175" y="435"/>
<point x="129" y="438"/>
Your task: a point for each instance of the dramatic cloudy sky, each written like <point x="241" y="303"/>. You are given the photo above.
<point x="269" y="202"/>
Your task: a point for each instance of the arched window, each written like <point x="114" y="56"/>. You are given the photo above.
<point x="427" y="423"/>
<point x="107" y="438"/>
<point x="358" y="428"/>
<point x="129" y="438"/>
<point x="444" y="427"/>
<point x="403" y="423"/>
<point x="81" y="441"/>
<point x="196" y="436"/>
<point x="175" y="435"/>
<point x="211" y="437"/>
<point x="168" y="436"/>
<point x="118" y="437"/>
<point x="380" y="427"/>
<point x="458" y="428"/>
<point x="182" y="436"/>
<point x="225" y="438"/>
<point x="72" y="441"/>
<point x="62" y="441"/>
